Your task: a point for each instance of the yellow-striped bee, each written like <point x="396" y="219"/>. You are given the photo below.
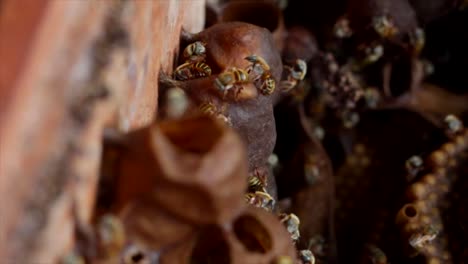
<point x="291" y="222"/>
<point x="192" y="70"/>
<point x="261" y="200"/>
<point x="258" y="66"/>
<point x="296" y="74"/>
<point x="260" y="69"/>
<point x="211" y="109"/>
<point x="384" y="26"/>
<point x="257" y="181"/>
<point x="195" y="51"/>
<point x="231" y="78"/>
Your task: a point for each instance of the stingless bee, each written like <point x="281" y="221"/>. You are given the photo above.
<point x="413" y="166"/>
<point x="211" y="109"/>
<point x="291" y="222"/>
<point x="258" y="66"/>
<point x="195" y="52"/>
<point x="296" y="74"/>
<point x="453" y="124"/>
<point x="257" y="181"/>
<point x="419" y="240"/>
<point x="384" y="26"/>
<point x="194" y="66"/>
<point x="231" y="78"/>
<point x="307" y="256"/>
<point x="261" y="200"/>
<point x="191" y="70"/>
<point x="261" y="71"/>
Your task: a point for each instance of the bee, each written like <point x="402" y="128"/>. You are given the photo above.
<point x="425" y="236"/>
<point x="258" y="181"/>
<point x="453" y="124"/>
<point x="296" y="74"/>
<point x="261" y="200"/>
<point x="261" y="71"/>
<point x="384" y="26"/>
<point x="373" y="53"/>
<point x="291" y="222"/>
<point x="231" y="78"/>
<point x="413" y="166"/>
<point x="192" y="70"/>
<point x="306" y="256"/>
<point x="258" y="66"/>
<point x="211" y="109"/>
<point x="111" y="235"/>
<point x="299" y="70"/>
<point x="195" y="51"/>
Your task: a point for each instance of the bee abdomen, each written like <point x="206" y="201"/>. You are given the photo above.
<point x="201" y="69"/>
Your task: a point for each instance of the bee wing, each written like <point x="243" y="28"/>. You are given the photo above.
<point x="286" y="86"/>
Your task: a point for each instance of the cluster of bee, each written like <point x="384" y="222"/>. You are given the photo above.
<point x="296" y="74"/>
<point x="194" y="66"/>
<point x="233" y="78"/>
<point x="258" y="196"/>
<point x="257" y="72"/>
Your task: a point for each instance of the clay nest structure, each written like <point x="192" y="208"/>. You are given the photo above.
<point x="296" y="132"/>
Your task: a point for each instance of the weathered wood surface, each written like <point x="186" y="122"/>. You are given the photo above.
<point x="69" y="69"/>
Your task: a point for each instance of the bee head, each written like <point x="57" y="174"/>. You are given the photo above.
<point x="252" y="58"/>
<point x="300" y="68"/>
<point x="200" y="47"/>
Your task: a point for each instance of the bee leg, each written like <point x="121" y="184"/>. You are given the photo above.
<point x="262" y="88"/>
<point x="249" y="69"/>
<point x="183" y="72"/>
<point x="238" y="89"/>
